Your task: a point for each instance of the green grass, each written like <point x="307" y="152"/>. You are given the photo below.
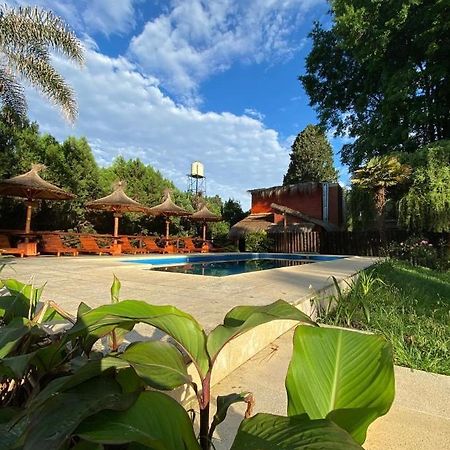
<point x="409" y="305"/>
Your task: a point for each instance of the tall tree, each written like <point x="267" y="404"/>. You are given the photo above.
<point x="311" y="158"/>
<point x="232" y="212"/>
<point x="426" y="205"/>
<point x="378" y="175"/>
<point x="28" y="35"/>
<point x="380" y="75"/>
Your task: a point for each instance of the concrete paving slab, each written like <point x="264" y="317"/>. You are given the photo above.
<point x="88" y="278"/>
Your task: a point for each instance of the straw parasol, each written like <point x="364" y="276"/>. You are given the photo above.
<point x="168" y="209"/>
<point x="32" y="187"/>
<point x="118" y="203"/>
<point x="204" y="215"/>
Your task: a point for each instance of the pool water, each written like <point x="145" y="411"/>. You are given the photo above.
<point x="225" y="268"/>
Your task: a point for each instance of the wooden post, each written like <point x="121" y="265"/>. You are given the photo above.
<point x="167" y="229"/>
<point x="30" y="205"/>
<point x="204" y="231"/>
<point x="116" y="227"/>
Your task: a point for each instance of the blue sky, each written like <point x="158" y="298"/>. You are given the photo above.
<point x="173" y="81"/>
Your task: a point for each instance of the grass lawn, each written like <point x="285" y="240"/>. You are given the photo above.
<point x="410" y="306"/>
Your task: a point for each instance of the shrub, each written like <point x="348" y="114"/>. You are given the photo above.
<point x="419" y="251"/>
<point x="258" y="242"/>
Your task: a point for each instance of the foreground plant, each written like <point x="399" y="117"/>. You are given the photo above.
<point x="77" y="397"/>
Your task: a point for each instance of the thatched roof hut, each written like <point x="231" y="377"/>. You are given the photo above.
<point x="251" y="224"/>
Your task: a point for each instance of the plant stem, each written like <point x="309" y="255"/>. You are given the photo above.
<point x="205" y="442"/>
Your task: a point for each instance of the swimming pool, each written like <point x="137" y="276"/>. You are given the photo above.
<point x="228" y="263"/>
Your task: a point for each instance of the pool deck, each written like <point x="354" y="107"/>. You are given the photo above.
<point x="71" y="280"/>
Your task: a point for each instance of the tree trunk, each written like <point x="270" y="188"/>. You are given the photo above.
<point x="380" y="203"/>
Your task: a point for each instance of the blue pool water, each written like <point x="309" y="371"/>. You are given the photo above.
<point x="228" y="264"/>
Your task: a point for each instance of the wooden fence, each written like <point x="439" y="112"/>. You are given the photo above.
<point x="367" y="243"/>
<point x="295" y="241"/>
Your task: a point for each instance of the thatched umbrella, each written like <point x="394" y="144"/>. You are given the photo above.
<point x="204" y="215"/>
<point x="168" y="209"/>
<point x="32" y="187"/>
<point x="118" y="203"/>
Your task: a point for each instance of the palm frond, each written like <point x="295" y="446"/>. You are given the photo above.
<point x="11" y="93"/>
<point x="41" y="73"/>
<point x="23" y="26"/>
<point x="27" y="37"/>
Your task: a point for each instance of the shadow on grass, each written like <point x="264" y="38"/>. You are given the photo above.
<point x="429" y="288"/>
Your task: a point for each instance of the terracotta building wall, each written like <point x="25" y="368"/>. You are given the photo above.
<point x="308" y="203"/>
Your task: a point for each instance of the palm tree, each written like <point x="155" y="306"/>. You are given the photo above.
<point x="27" y="36"/>
<point x="379" y="174"/>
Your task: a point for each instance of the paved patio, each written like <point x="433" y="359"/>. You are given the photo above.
<point x="71" y="280"/>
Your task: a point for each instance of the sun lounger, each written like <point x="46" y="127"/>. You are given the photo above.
<point x="152" y="247"/>
<point x="6" y="249"/>
<point x="88" y="244"/>
<point x="189" y="246"/>
<point x="52" y="243"/>
<point x="128" y="248"/>
<point x="207" y="246"/>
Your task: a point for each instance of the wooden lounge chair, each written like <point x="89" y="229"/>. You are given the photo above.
<point x="52" y="243"/>
<point x="152" y="247"/>
<point x="189" y="246"/>
<point x="128" y="248"/>
<point x="6" y="249"/>
<point x="207" y="247"/>
<point x="88" y="244"/>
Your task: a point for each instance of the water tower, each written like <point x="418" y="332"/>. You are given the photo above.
<point x="197" y="180"/>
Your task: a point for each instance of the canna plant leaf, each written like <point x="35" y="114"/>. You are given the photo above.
<point x="182" y="327"/>
<point x="52" y="424"/>
<point x="155" y="420"/>
<point x="244" y="318"/>
<point x="158" y="363"/>
<point x="342" y="375"/>
<point x="270" y="432"/>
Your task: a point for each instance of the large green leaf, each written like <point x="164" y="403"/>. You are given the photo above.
<point x="10" y="336"/>
<point x="343" y="375"/>
<point x="223" y="404"/>
<point x="243" y="318"/>
<point x="22" y="300"/>
<point x="179" y="325"/>
<point x="155" y="420"/>
<point x="269" y="432"/>
<point x="52" y="424"/>
<point x="159" y="364"/>
<point x="15" y="366"/>
<point x="91" y="369"/>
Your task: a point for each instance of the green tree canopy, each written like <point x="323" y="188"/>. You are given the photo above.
<point x="28" y="35"/>
<point x="380" y="75"/>
<point x="377" y="176"/>
<point x="426" y="205"/>
<point x="232" y="212"/>
<point x="311" y="158"/>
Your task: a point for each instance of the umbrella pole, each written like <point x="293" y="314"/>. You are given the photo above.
<point x="116" y="227"/>
<point x="204" y="231"/>
<point x="167" y="229"/>
<point x="28" y="219"/>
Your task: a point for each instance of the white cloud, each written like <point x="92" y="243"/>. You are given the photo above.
<point x="125" y="112"/>
<point x="196" y="38"/>
<point x="86" y="16"/>
<point x="254" y="113"/>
